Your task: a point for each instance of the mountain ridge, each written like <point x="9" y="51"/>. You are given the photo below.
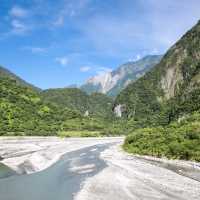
<point x="111" y="83"/>
<point x="4" y="72"/>
<point x="169" y="88"/>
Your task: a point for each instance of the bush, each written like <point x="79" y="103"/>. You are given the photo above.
<point x="79" y="134"/>
<point x="174" y="141"/>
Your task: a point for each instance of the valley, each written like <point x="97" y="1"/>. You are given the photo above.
<point x="100" y="100"/>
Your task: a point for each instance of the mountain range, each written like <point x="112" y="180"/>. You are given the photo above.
<point x="157" y="91"/>
<point x="111" y="83"/>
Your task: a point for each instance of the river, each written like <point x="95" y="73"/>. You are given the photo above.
<point x="60" y="181"/>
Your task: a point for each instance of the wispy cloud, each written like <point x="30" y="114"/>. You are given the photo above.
<point x="103" y="70"/>
<point x="19" y="12"/>
<point x="85" y="69"/>
<point x="18" y="27"/>
<point x="18" y="16"/>
<point x="62" y="60"/>
<point x="95" y="69"/>
<point x="70" y="9"/>
<point x="136" y="58"/>
<point x="35" y="50"/>
<point x="59" y="21"/>
<point x="157" y="25"/>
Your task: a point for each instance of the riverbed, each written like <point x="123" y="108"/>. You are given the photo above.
<point x="88" y="169"/>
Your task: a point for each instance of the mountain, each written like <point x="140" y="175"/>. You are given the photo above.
<point x="72" y="86"/>
<point x="8" y="74"/>
<point x="67" y="97"/>
<point x="24" y="112"/>
<point x="171" y="89"/>
<point x="74" y="98"/>
<point x="111" y="83"/>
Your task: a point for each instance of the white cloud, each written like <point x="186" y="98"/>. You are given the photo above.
<point x="18" y="27"/>
<point x="85" y="69"/>
<point x="62" y="60"/>
<point x="70" y="9"/>
<point x="170" y="19"/>
<point x="159" y="24"/>
<point x="38" y="50"/>
<point x="136" y="58"/>
<point x="59" y="21"/>
<point x="17" y="11"/>
<point x="103" y="70"/>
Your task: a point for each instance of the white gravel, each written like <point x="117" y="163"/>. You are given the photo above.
<point x="130" y="178"/>
<point x="33" y="154"/>
<point x="126" y="177"/>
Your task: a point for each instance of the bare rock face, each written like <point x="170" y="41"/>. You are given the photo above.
<point x="86" y="114"/>
<point x="112" y="82"/>
<point x="118" y="110"/>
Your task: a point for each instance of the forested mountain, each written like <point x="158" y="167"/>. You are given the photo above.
<point x="111" y="83"/>
<point x="97" y="104"/>
<point x="4" y="73"/>
<point x="23" y="112"/>
<point x="171" y="89"/>
<point x="166" y="103"/>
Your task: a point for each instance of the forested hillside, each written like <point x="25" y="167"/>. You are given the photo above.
<point x="171" y="90"/>
<point x="4" y="73"/>
<point x="166" y="103"/>
<point x="98" y="105"/>
<point x="23" y="112"/>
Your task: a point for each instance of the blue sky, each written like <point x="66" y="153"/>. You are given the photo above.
<point x="55" y="43"/>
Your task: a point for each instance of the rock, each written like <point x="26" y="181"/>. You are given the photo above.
<point x="86" y="113"/>
<point x="118" y="110"/>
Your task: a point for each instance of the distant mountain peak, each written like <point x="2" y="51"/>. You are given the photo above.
<point x="113" y="82"/>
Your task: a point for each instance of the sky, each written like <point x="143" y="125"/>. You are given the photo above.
<point x="56" y="43"/>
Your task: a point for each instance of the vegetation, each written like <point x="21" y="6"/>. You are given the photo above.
<point x="179" y="140"/>
<point x="162" y="108"/>
<point x="171" y="89"/>
<point x="79" y="134"/>
<point x="165" y="104"/>
<point x="4" y="73"/>
<point x="24" y="111"/>
<point x="97" y="105"/>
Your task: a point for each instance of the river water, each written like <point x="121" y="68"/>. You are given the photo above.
<point x="59" y="182"/>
